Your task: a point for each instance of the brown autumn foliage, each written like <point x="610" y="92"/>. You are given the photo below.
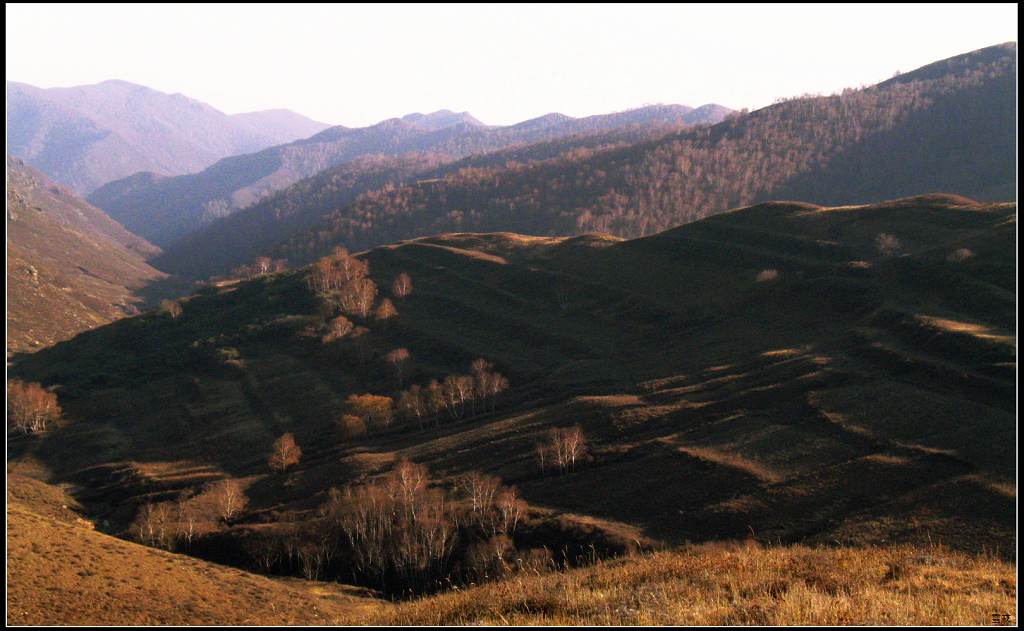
<point x="337" y="329"/>
<point x="385" y="311"/>
<point x="375" y="411"/>
<point x="30" y="407"/>
<point x="285" y="453"/>
<point x="170" y="307"/>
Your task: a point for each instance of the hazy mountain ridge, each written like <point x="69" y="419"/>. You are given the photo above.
<point x="174" y="207"/>
<point x="85" y="136"/>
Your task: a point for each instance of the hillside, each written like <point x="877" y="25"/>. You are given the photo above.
<point x="949" y="127"/>
<point x="163" y="210"/>
<point x="736" y="585"/>
<point x="786" y="372"/>
<point x="70" y="267"/>
<point x="60" y="571"/>
<point x="86" y="136"/>
<point x="228" y="242"/>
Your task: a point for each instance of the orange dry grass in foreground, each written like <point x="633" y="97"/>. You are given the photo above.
<point x="720" y="585"/>
<point x="63" y="574"/>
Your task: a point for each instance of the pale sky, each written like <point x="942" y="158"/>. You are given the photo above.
<point x="358" y="64"/>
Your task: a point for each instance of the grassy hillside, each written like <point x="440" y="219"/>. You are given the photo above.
<point x="783" y="372"/>
<point x="737" y="585"/>
<point x="70" y="267"/>
<point x="62" y="572"/>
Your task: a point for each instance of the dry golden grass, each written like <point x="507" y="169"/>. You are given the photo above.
<point x="967" y="328"/>
<point x="65" y="574"/>
<point x="741" y="584"/>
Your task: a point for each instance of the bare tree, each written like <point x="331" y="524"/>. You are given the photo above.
<point x="402" y="286"/>
<point x="153" y="525"/>
<point x="30" y="407"/>
<point x="481" y="490"/>
<point x="399" y="359"/>
<point x="229" y="498"/>
<point x="285" y="453"/>
<point x="337" y="328"/>
<point x="412" y="405"/>
<point x="186" y="520"/>
<point x="356" y="296"/>
<point x="563" y="449"/>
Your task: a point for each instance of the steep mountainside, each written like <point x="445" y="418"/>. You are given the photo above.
<point x="787" y="372"/>
<point x="948" y="127"/>
<point x="163" y="210"/>
<point x="70" y="267"/>
<point x="86" y="136"/>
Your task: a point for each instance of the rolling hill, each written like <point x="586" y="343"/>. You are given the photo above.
<point x="786" y="372"/>
<point x="86" y="136"/>
<point x="70" y="267"/>
<point x="165" y="209"/>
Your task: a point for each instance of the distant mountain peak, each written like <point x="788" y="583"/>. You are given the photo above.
<point x="441" y="119"/>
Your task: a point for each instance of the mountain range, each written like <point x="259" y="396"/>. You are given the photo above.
<point x="165" y="209"/>
<point x="86" y="136"/>
<point x="950" y="126"/>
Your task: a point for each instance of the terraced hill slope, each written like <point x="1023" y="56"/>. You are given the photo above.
<point x="784" y="372"/>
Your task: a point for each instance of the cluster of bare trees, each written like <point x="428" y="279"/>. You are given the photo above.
<point x="284" y="453"/>
<point x="396" y="527"/>
<point x="561" y="450"/>
<point x="366" y="412"/>
<point x="345" y="279"/>
<point x="400" y="530"/>
<point x="30" y="407"/>
<point x="178" y="522"/>
<point x="454" y="397"/>
<point x="262" y="266"/>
